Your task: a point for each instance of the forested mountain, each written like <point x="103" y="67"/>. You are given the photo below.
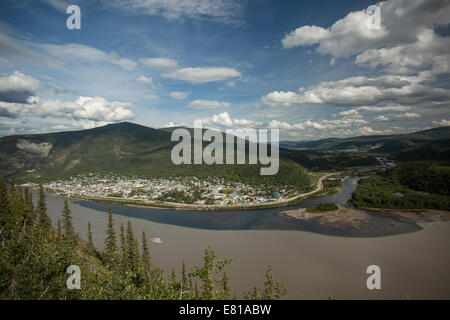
<point x="437" y="150"/>
<point x="126" y="149"/>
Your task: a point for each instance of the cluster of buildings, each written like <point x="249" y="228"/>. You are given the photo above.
<point x="208" y="191"/>
<point x="386" y="164"/>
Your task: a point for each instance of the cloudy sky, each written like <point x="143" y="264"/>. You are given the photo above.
<point x="312" y="69"/>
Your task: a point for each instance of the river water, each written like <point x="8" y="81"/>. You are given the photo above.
<point x="313" y="262"/>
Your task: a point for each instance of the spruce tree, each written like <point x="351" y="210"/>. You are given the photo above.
<point x="18" y="210"/>
<point x="110" y="240"/>
<point x="67" y="221"/>
<point x="5" y="208"/>
<point x="28" y="198"/>
<point x="123" y="244"/>
<point x="18" y="207"/>
<point x="173" y="276"/>
<point x="146" y="257"/>
<point x="90" y="241"/>
<point x="133" y="252"/>
<point x="44" y="219"/>
<point x="58" y="228"/>
<point x="184" y="278"/>
<point x="12" y="186"/>
<point x="4" y="203"/>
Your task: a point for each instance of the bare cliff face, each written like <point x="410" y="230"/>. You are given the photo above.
<point x="39" y="149"/>
<point x="21" y="154"/>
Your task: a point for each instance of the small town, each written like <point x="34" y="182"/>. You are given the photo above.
<point x="188" y="190"/>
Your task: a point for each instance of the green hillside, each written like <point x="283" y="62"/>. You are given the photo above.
<point x="437" y="150"/>
<point x="126" y="149"/>
<point x="411" y="185"/>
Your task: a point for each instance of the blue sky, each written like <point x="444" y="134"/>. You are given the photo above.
<point x="312" y="69"/>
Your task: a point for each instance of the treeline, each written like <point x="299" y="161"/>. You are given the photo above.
<point x="424" y="176"/>
<point x="325" y="161"/>
<point x="34" y="258"/>
<point x="436" y="150"/>
<point x="332" y="183"/>
<point x="409" y="186"/>
<point x="323" y="207"/>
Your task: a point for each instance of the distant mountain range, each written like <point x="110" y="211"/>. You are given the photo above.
<point x="374" y="144"/>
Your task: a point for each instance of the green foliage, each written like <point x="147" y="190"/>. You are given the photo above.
<point x="89" y="236"/>
<point x="436" y="150"/>
<point x="424" y="176"/>
<point x="327" y="161"/>
<point x="332" y="183"/>
<point x="323" y="207"/>
<point x="34" y="259"/>
<point x="147" y="263"/>
<point x="206" y="273"/>
<point x="421" y="185"/>
<point x="67" y="221"/>
<point x="110" y="240"/>
<point x="44" y="219"/>
<point x="271" y="291"/>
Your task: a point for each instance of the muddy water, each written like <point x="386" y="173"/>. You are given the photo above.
<point x="267" y="219"/>
<point x="413" y="265"/>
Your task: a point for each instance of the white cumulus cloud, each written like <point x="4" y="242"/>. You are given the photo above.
<point x="17" y="87"/>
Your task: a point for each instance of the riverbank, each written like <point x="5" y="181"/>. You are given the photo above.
<point x="195" y="207"/>
<point x="418" y="215"/>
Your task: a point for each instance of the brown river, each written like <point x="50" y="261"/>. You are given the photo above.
<point x="312" y="263"/>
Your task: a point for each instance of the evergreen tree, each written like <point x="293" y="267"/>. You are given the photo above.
<point x="12" y="221"/>
<point x="17" y="205"/>
<point x="110" y="240"/>
<point x="28" y="198"/>
<point x="133" y="261"/>
<point x="184" y="279"/>
<point x="5" y="208"/>
<point x="4" y="203"/>
<point x="12" y="186"/>
<point x="44" y="219"/>
<point x="67" y="221"/>
<point x="58" y="228"/>
<point x="123" y="244"/>
<point x="132" y="249"/>
<point x="90" y="241"/>
<point x="146" y="257"/>
<point x="173" y="276"/>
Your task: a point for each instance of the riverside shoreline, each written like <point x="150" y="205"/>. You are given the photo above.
<point x="195" y="207"/>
